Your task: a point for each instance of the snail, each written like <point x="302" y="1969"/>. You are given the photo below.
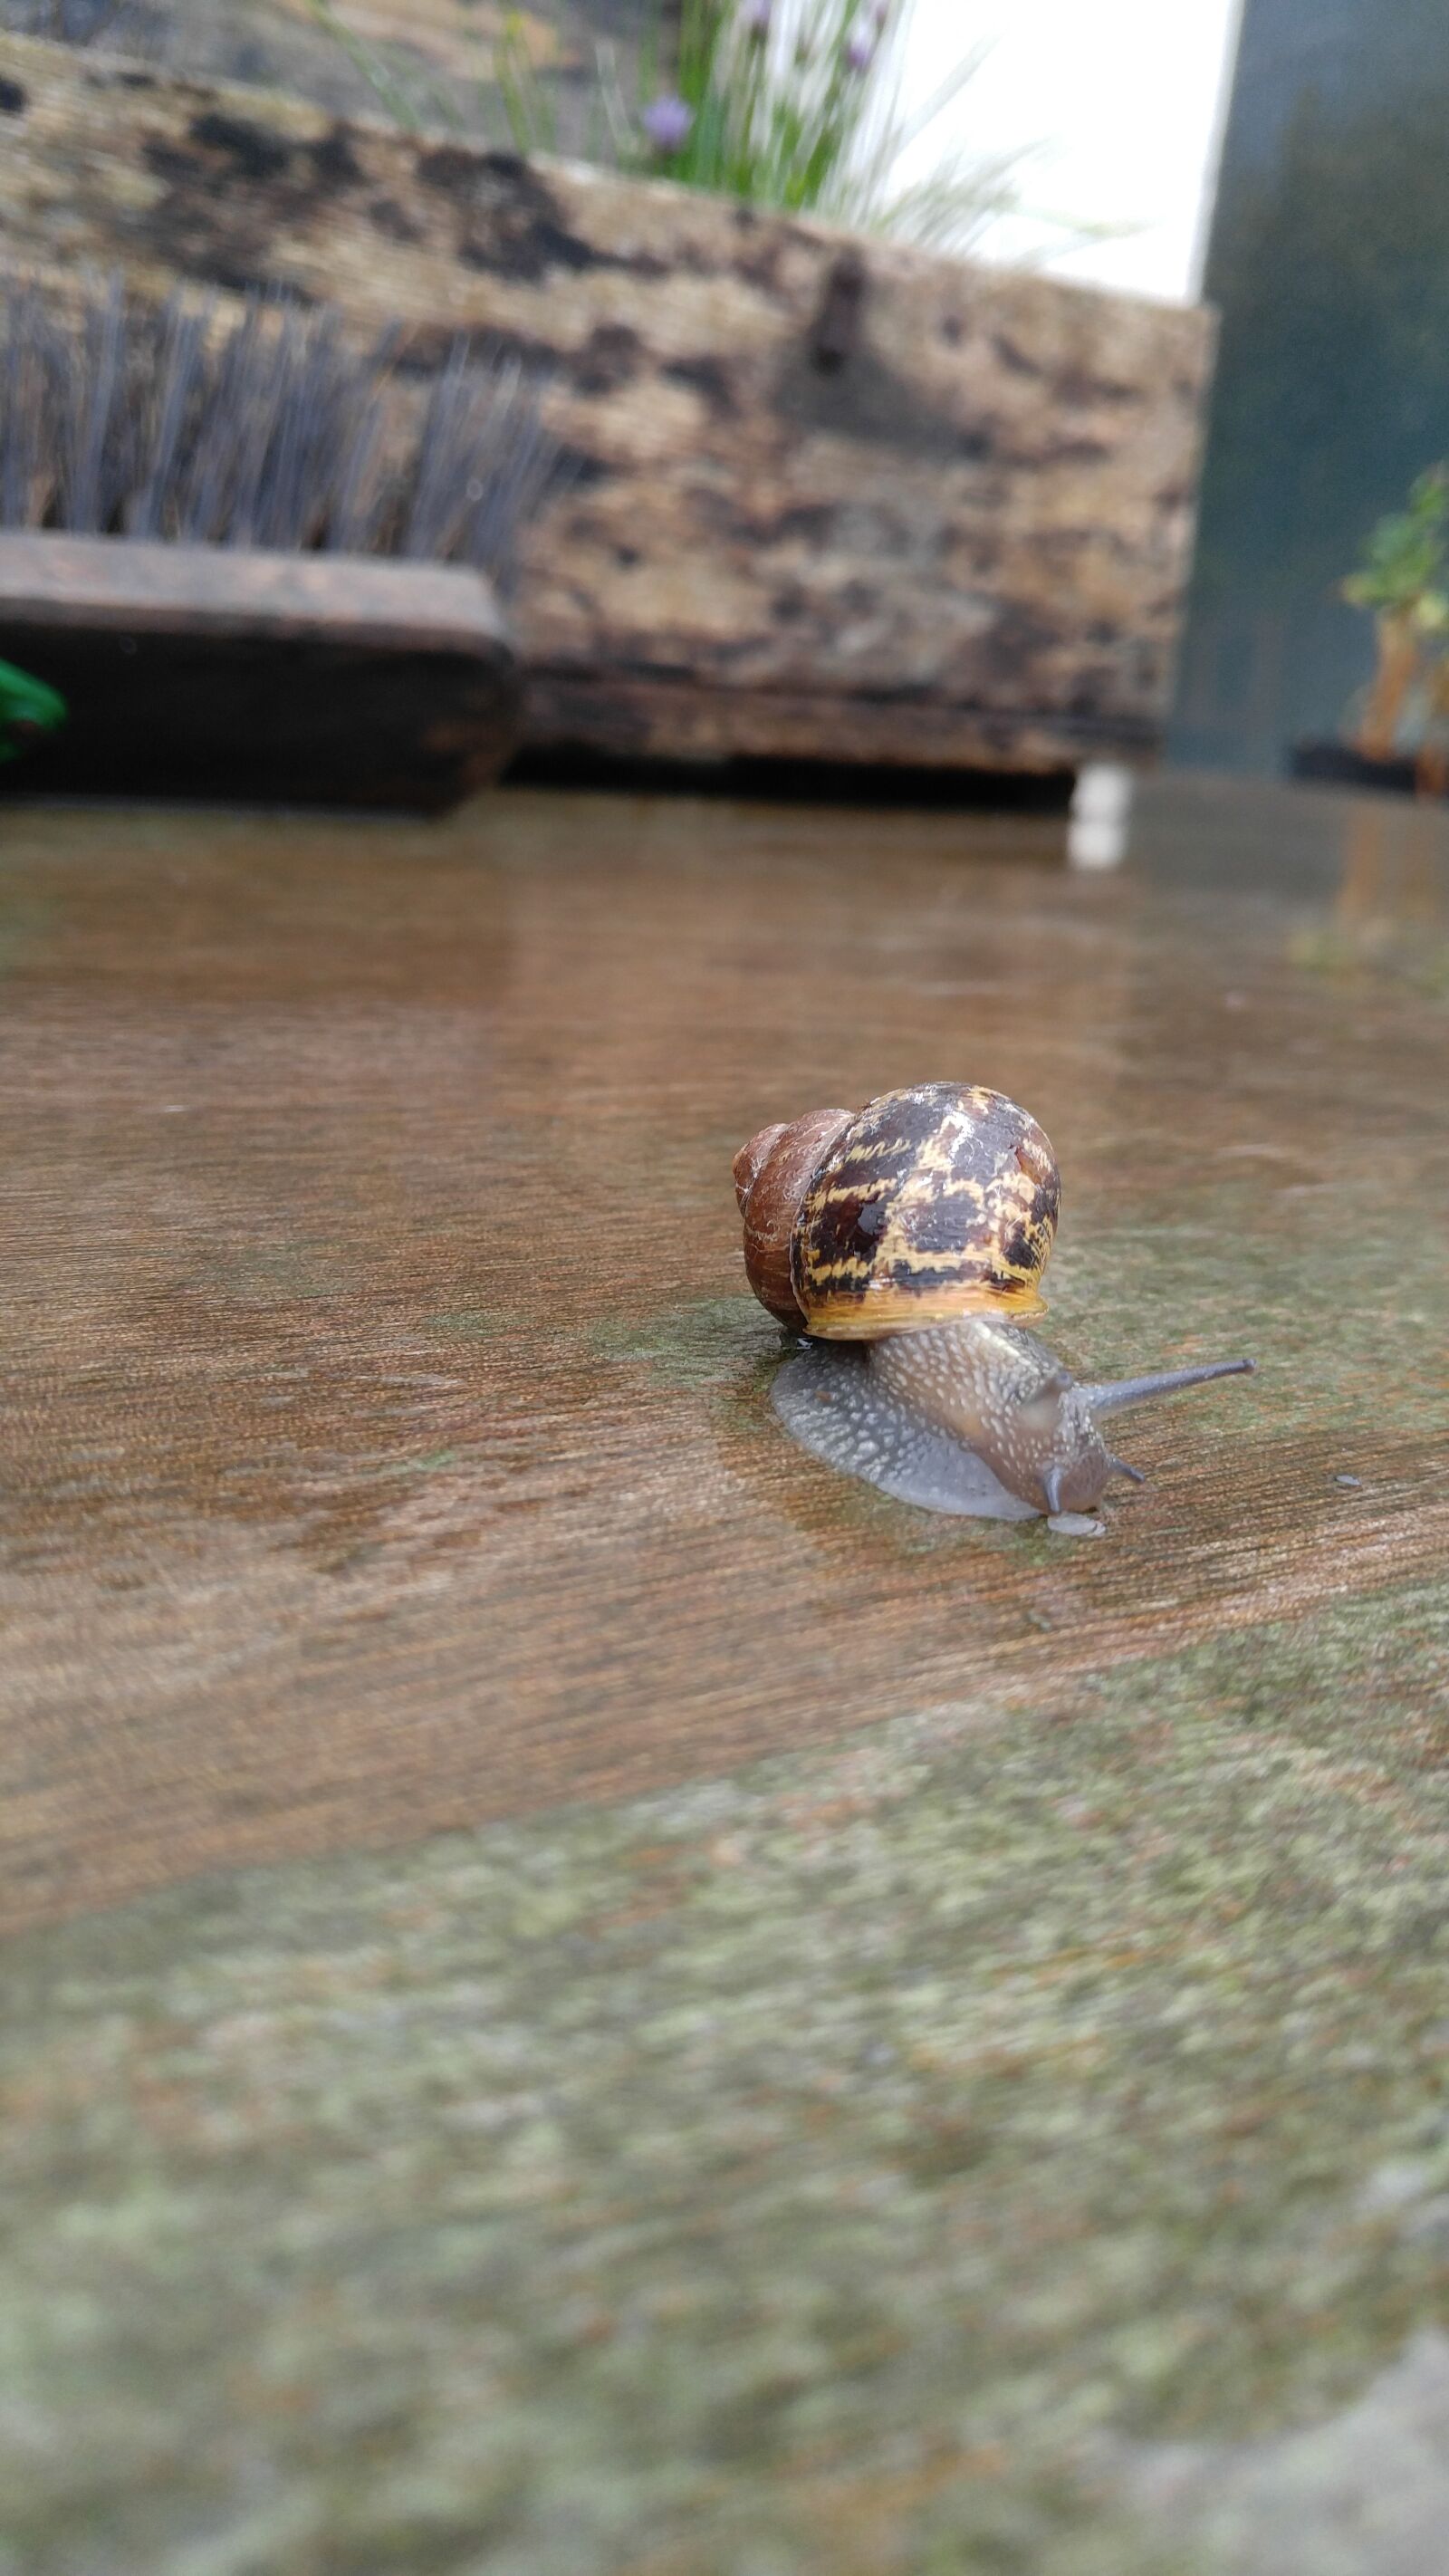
<point x="906" y="1241"/>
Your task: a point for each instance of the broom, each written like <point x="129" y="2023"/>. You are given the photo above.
<point x="254" y="559"/>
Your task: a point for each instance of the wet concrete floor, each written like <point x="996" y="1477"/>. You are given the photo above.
<point x="385" y="1443"/>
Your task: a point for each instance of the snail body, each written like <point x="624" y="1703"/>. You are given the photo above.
<point x="907" y="1242"/>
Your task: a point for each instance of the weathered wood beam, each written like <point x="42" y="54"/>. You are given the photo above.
<point x="287" y="679"/>
<point x="834" y="498"/>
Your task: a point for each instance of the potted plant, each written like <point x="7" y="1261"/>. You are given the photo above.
<point x="1399" y="718"/>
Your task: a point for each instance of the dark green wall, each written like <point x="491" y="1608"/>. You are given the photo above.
<point x="1329" y="263"/>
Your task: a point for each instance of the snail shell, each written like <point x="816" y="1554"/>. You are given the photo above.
<point x="929" y="1203"/>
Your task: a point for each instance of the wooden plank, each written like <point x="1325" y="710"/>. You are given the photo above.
<point x="832" y="497"/>
<point x="209" y="671"/>
<point x="62" y="582"/>
<point x="384" y="1421"/>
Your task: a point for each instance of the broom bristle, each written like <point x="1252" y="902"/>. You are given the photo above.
<point x="272" y="431"/>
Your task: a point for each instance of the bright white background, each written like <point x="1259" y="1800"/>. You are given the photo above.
<point x="1122" y="100"/>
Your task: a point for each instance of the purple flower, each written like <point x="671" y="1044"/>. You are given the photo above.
<point x="755" y="18"/>
<point x="860" y="51"/>
<point x="668" y="123"/>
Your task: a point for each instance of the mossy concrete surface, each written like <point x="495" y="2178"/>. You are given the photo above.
<point x="1014" y="2141"/>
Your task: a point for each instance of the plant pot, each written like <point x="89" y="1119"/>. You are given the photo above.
<point x="1337" y="764"/>
<point x="218" y="673"/>
<point x="833" y="499"/>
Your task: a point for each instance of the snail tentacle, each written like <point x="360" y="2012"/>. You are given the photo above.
<point x="1117" y="1392"/>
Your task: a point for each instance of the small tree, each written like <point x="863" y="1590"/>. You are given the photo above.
<point x="1401" y="581"/>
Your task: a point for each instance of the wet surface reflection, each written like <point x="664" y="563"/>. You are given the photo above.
<point x="386" y="1430"/>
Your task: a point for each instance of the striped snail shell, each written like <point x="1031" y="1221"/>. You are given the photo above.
<point x="926" y="1204"/>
